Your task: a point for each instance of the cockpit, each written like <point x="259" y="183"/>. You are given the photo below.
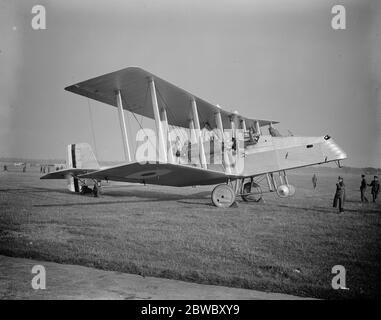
<point x="253" y="134"/>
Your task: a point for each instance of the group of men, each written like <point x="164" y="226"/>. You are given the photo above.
<point x="375" y="188"/>
<point x="339" y="197"/>
<point x="44" y="169"/>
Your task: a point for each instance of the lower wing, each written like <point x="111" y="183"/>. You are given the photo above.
<point x="64" y="174"/>
<point x="160" y="174"/>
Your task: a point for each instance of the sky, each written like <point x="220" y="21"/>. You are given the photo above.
<point x="267" y="59"/>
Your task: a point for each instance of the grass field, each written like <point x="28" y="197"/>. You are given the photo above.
<point x="282" y="245"/>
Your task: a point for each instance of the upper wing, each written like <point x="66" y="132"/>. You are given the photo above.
<point x="134" y="87"/>
<point x="159" y="173"/>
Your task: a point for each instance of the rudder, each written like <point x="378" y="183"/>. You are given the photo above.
<point x="81" y="156"/>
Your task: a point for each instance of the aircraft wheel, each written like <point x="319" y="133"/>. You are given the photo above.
<point x="223" y="196"/>
<point x="252" y="192"/>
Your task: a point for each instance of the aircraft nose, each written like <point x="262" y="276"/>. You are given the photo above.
<point x="333" y="149"/>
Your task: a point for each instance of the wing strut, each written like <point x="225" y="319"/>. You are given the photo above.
<point x="243" y="125"/>
<point x="159" y="127"/>
<point x="122" y="123"/>
<point x="196" y="122"/>
<point x="257" y="127"/>
<point x="167" y="141"/>
<point x="220" y="128"/>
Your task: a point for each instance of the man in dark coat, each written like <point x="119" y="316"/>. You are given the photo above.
<point x="95" y="190"/>
<point x="339" y="195"/>
<point x="363" y="189"/>
<point x="314" y="180"/>
<point x="375" y="188"/>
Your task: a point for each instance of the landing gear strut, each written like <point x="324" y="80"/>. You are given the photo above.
<point x="251" y="191"/>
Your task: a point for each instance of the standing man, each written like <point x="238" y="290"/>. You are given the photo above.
<point x="339" y="195"/>
<point x="363" y="189"/>
<point x="375" y="188"/>
<point x="178" y="149"/>
<point x="95" y="190"/>
<point x="314" y="180"/>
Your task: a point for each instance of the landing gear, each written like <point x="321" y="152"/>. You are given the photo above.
<point x="251" y="191"/>
<point x="86" y="190"/>
<point x="223" y="196"/>
<point x="95" y="191"/>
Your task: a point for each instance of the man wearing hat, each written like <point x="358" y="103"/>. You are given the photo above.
<point x="375" y="188"/>
<point x="363" y="189"/>
<point x="339" y="195"/>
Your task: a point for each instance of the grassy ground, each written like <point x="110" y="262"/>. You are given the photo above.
<point x="282" y="245"/>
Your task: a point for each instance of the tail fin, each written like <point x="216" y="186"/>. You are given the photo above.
<point x="79" y="156"/>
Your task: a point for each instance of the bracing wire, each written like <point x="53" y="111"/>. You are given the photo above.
<point x="141" y="127"/>
<point x="170" y="114"/>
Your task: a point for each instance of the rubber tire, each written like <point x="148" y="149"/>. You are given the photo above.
<point x="223" y="196"/>
<point x="247" y="189"/>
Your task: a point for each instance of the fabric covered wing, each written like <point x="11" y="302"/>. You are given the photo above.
<point x="63" y="174"/>
<point x="160" y="174"/>
<point x="133" y="83"/>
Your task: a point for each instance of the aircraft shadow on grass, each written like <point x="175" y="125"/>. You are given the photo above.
<point x="157" y="196"/>
<point x="152" y="195"/>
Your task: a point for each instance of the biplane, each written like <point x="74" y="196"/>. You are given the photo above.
<point x="223" y="149"/>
